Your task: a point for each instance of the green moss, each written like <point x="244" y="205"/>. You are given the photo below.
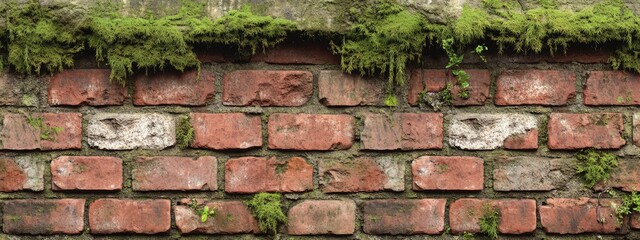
<point x="630" y="204"/>
<point x="184" y="132"/>
<point x="46" y="132"/>
<point x="267" y="208"/>
<point x="489" y="221"/>
<point x="595" y="166"/>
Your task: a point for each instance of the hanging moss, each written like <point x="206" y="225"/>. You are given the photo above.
<point x="38" y="39"/>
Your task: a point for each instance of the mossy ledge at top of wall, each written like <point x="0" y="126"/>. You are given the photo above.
<point x="372" y="37"/>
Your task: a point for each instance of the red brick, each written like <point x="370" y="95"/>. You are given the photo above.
<point x="109" y="215"/>
<point x="267" y="88"/>
<point x="612" y="88"/>
<point x="577" y="131"/>
<point x="573" y="54"/>
<point x="626" y="176"/>
<point x="21" y="173"/>
<point x="315" y="217"/>
<point x="406" y="131"/>
<point x="230" y="217"/>
<point x="298" y="53"/>
<point x="361" y="175"/>
<point x="254" y="174"/>
<point x="340" y="89"/>
<point x="517" y="216"/>
<point x="86" y="173"/>
<point x="399" y="216"/>
<point x="634" y="220"/>
<point x="175" y="173"/>
<point x="63" y="216"/>
<point x="220" y="131"/>
<point x="437" y="80"/>
<point x="85" y="87"/>
<point x="529" y="87"/>
<point x="167" y="88"/>
<point x="448" y="173"/>
<point x="523" y="141"/>
<point x="311" y="131"/>
<point x="17" y="134"/>
<point x="573" y="216"/>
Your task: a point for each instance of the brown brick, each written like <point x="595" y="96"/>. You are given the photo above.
<point x="18" y="134"/>
<point x="448" y="173"/>
<point x="298" y="53"/>
<point x="361" y="175"/>
<point x="267" y="88"/>
<point x="636" y="129"/>
<point x="63" y="216"/>
<point x="85" y="87"/>
<point x="532" y="173"/>
<point x="220" y="131"/>
<point x="634" y="220"/>
<point x="21" y="173"/>
<point x="167" y="88"/>
<point x="573" y="216"/>
<point x="86" y="173"/>
<point x="612" y="88"/>
<point x="311" y="131"/>
<point x="406" y="131"/>
<point x="15" y="91"/>
<point x="254" y="174"/>
<point x="315" y="217"/>
<point x="577" y="131"/>
<point x="437" y="80"/>
<point x="517" y="216"/>
<point x="231" y="217"/>
<point x="400" y="216"/>
<point x="626" y="176"/>
<point x="535" y="87"/>
<point x="175" y="173"/>
<point x="340" y="89"/>
<point x="109" y="215"/>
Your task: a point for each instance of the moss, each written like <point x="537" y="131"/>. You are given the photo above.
<point x="46" y="132"/>
<point x="267" y="208"/>
<point x="184" y="132"/>
<point x="595" y="167"/>
<point x="489" y="221"/>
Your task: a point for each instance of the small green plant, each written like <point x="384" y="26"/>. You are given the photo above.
<point x="630" y="204"/>
<point x="595" y="166"/>
<point x="184" y="132"/>
<point x="46" y="132"/>
<point x="468" y="236"/>
<point x="438" y="99"/>
<point x="489" y="221"/>
<point x="462" y="77"/>
<point x="202" y="210"/>
<point x="267" y="208"/>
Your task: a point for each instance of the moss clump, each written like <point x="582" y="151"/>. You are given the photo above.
<point x="489" y="221"/>
<point x="184" y="132"/>
<point x="630" y="204"/>
<point x="46" y="132"/>
<point x="267" y="208"/>
<point x="38" y="39"/>
<point x="595" y="166"/>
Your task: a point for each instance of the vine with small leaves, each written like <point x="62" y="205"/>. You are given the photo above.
<point x="462" y="77"/>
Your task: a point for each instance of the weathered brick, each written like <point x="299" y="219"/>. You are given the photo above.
<point x="109" y="215"/>
<point x="517" y="216"/>
<point x="437" y="80"/>
<point x="400" y="216"/>
<point x="231" y="217"/>
<point x="406" y="131"/>
<point x="86" y="173"/>
<point x="448" y="173"/>
<point x="634" y="220"/>
<point x="573" y="216"/>
<point x="315" y="217"/>
<point x="474" y="131"/>
<point x="310" y="131"/>
<point x="591" y="130"/>
<point x="18" y="134"/>
<point x="535" y="87"/>
<point x="340" y="89"/>
<point x="636" y="129"/>
<point x="361" y="175"/>
<point x="267" y="88"/>
<point x="166" y="88"/>
<point x="523" y="141"/>
<point x="21" y="173"/>
<point x="18" y="92"/>
<point x="61" y="216"/>
<point x="531" y="173"/>
<point x="85" y="87"/>
<point x="222" y="131"/>
<point x="174" y="173"/>
<point x="626" y="176"/>
<point x="116" y="131"/>
<point x="298" y="53"/>
<point x="612" y="88"/>
<point x="254" y="174"/>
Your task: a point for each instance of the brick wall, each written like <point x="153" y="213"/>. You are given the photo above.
<point x="288" y="121"/>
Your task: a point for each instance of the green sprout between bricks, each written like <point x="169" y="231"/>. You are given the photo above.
<point x="489" y="221"/>
<point x="202" y="210"/>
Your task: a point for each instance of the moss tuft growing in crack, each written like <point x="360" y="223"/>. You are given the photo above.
<point x="267" y="208"/>
<point x="595" y="166"/>
<point x="184" y="132"/>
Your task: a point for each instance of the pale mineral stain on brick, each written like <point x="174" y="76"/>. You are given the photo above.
<point x="21" y="173"/>
<point x="473" y="131"/>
